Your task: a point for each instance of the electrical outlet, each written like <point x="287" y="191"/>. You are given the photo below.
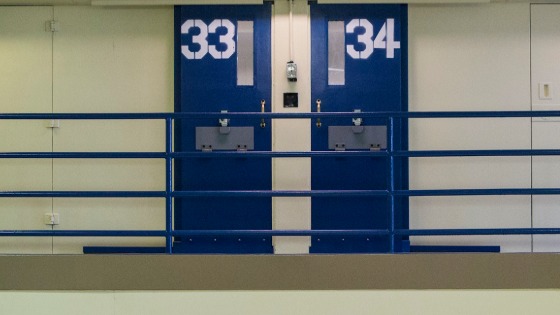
<point x="545" y="91"/>
<point x="52" y="219"/>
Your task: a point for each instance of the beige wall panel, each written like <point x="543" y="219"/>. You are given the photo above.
<point x="545" y="39"/>
<point x="546" y="214"/>
<point x="25" y="87"/>
<point x="436" y="302"/>
<point x="60" y="303"/>
<point x="110" y="136"/>
<point x="470" y="172"/>
<point x="545" y="44"/>
<point x="336" y="302"/>
<point x="291" y="135"/>
<point x="111" y="60"/>
<point x="546" y="174"/>
<point x="105" y="174"/>
<point x="469" y="57"/>
<point x="25" y="214"/>
<point x="467" y="212"/>
<point x="470" y="133"/>
<point x="461" y="59"/>
<point x="25" y="135"/>
<point x="108" y="214"/>
<point x="25" y="60"/>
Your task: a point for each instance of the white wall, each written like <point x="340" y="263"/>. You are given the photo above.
<point x="545" y="69"/>
<point x="100" y="60"/>
<point x="462" y="57"/>
<point x="291" y="135"/>
<point x="111" y="60"/>
<point x="25" y="86"/>
<point x="496" y="302"/>
<point x="470" y="57"/>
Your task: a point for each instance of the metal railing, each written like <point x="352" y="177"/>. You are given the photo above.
<point x="169" y="193"/>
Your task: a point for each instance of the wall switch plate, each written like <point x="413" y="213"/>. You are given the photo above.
<point x="545" y="91"/>
<point x="52" y="219"/>
<point x="53" y="123"/>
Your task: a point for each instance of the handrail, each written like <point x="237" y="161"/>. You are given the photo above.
<point x="169" y="155"/>
<point x="262" y="233"/>
<point x="267" y="154"/>
<point x="199" y="115"/>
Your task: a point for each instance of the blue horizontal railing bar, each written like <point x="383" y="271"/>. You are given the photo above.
<point x="267" y="154"/>
<point x="364" y="232"/>
<point x="83" y="194"/>
<point x="341" y="193"/>
<point x="76" y="233"/>
<point x="382" y="153"/>
<point x="203" y="115"/>
<point x="123" y="250"/>
<point x="504" y="231"/>
<point x="459" y="153"/>
<point x="478" y="192"/>
<point x="463" y="114"/>
<point x="278" y="193"/>
<point x="83" y="155"/>
<point x="476" y="114"/>
<point x="280" y="232"/>
<point x="87" y="116"/>
<point x="240" y="233"/>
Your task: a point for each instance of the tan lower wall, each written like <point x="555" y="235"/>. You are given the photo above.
<point x="280" y="272"/>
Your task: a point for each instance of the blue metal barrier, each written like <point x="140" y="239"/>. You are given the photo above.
<point x="169" y="194"/>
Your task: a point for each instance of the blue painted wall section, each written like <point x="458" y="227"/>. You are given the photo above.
<point x="375" y="83"/>
<point x="210" y="85"/>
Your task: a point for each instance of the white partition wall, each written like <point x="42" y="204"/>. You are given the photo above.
<point x="470" y="58"/>
<point x="111" y="61"/>
<point x="25" y="87"/>
<point x="291" y="135"/>
<point x="102" y="60"/>
<point x="545" y="88"/>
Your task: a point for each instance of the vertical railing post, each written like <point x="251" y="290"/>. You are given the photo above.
<point x="391" y="188"/>
<point x="168" y="185"/>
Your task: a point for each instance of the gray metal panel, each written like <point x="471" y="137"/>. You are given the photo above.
<point x="357" y="137"/>
<point x="245" y="48"/>
<point x="337" y="53"/>
<point x="225" y="138"/>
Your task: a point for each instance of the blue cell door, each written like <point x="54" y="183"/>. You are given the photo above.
<point x="359" y="63"/>
<point x="222" y="63"/>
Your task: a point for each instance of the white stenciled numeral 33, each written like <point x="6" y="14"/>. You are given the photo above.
<point x="201" y="39"/>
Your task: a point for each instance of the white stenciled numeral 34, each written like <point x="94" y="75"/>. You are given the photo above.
<point x="385" y="39"/>
<point x="201" y="39"/>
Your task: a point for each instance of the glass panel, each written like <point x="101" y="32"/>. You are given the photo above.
<point x="245" y="50"/>
<point x="336" y="53"/>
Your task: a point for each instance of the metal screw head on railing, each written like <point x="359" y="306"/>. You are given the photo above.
<point x="318" y="103"/>
<point x="263" y="124"/>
